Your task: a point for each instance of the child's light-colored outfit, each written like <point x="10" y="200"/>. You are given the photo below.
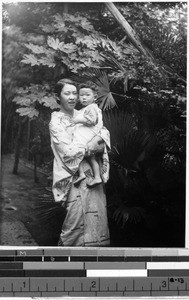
<point x="83" y="133"/>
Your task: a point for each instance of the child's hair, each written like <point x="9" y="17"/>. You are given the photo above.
<point x="89" y="85"/>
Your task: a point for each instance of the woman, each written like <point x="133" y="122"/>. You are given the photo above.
<point x="86" y="221"/>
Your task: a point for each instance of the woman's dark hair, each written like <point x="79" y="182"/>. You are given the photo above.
<point x="61" y="83"/>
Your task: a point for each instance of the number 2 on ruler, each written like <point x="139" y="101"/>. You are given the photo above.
<point x="93" y="284"/>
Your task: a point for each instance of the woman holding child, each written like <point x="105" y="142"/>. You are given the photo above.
<point x="78" y="175"/>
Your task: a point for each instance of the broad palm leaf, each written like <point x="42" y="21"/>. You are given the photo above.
<point x="127" y="142"/>
<point x="118" y="123"/>
<point x="129" y="146"/>
<point x="118" y="68"/>
<point x="51" y="214"/>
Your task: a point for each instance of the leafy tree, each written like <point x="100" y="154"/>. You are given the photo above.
<point x="163" y="30"/>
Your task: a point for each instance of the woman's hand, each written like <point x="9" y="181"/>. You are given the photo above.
<point x="63" y="204"/>
<point x="96" y="145"/>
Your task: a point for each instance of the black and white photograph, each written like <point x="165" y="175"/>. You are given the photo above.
<point x="93" y="124"/>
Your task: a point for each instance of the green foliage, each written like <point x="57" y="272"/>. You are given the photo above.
<point x="163" y="30"/>
<point x="119" y="71"/>
<point x="73" y="41"/>
<point x="130" y="147"/>
<point x="123" y="214"/>
<point x="31" y="97"/>
<point x="12" y="53"/>
<point x="147" y="160"/>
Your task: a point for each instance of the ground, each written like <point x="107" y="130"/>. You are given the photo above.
<point x="24" y="220"/>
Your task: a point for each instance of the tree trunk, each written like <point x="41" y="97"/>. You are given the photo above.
<point x="28" y="139"/>
<point x="18" y="144"/>
<point x="36" y="179"/>
<point x="135" y="40"/>
<point x="6" y="121"/>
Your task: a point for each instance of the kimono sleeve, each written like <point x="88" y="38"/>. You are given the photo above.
<point x="105" y="135"/>
<point x="61" y="140"/>
<point x="58" y="130"/>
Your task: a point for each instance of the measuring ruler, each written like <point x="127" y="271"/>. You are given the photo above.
<point x="93" y="273"/>
<point x="94" y="287"/>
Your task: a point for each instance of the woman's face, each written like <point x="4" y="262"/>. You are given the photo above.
<point x="68" y="98"/>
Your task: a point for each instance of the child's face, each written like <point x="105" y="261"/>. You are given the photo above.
<point x="86" y="96"/>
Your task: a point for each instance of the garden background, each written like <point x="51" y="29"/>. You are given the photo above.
<point x="138" y="61"/>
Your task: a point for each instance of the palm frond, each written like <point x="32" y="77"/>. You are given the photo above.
<point x="118" y="122"/>
<point x="116" y="66"/>
<point x="129" y="145"/>
<point x="130" y="149"/>
<point x="123" y="214"/>
<point x="112" y="62"/>
<point x="136" y="214"/>
<point x="51" y="213"/>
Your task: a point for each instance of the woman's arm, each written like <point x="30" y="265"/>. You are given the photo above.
<point x="105" y="136"/>
<point x="64" y="148"/>
<point x="97" y="144"/>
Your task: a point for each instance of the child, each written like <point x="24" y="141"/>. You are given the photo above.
<point x="89" y="123"/>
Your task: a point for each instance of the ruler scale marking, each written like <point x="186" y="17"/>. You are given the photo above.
<point x="134" y="288"/>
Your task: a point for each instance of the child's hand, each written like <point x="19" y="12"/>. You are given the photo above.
<point x="79" y="119"/>
<point x="72" y="123"/>
<point x="76" y="120"/>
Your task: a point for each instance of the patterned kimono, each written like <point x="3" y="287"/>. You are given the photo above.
<point x="86" y="221"/>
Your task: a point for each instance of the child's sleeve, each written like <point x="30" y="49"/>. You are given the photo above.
<point x="90" y="115"/>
